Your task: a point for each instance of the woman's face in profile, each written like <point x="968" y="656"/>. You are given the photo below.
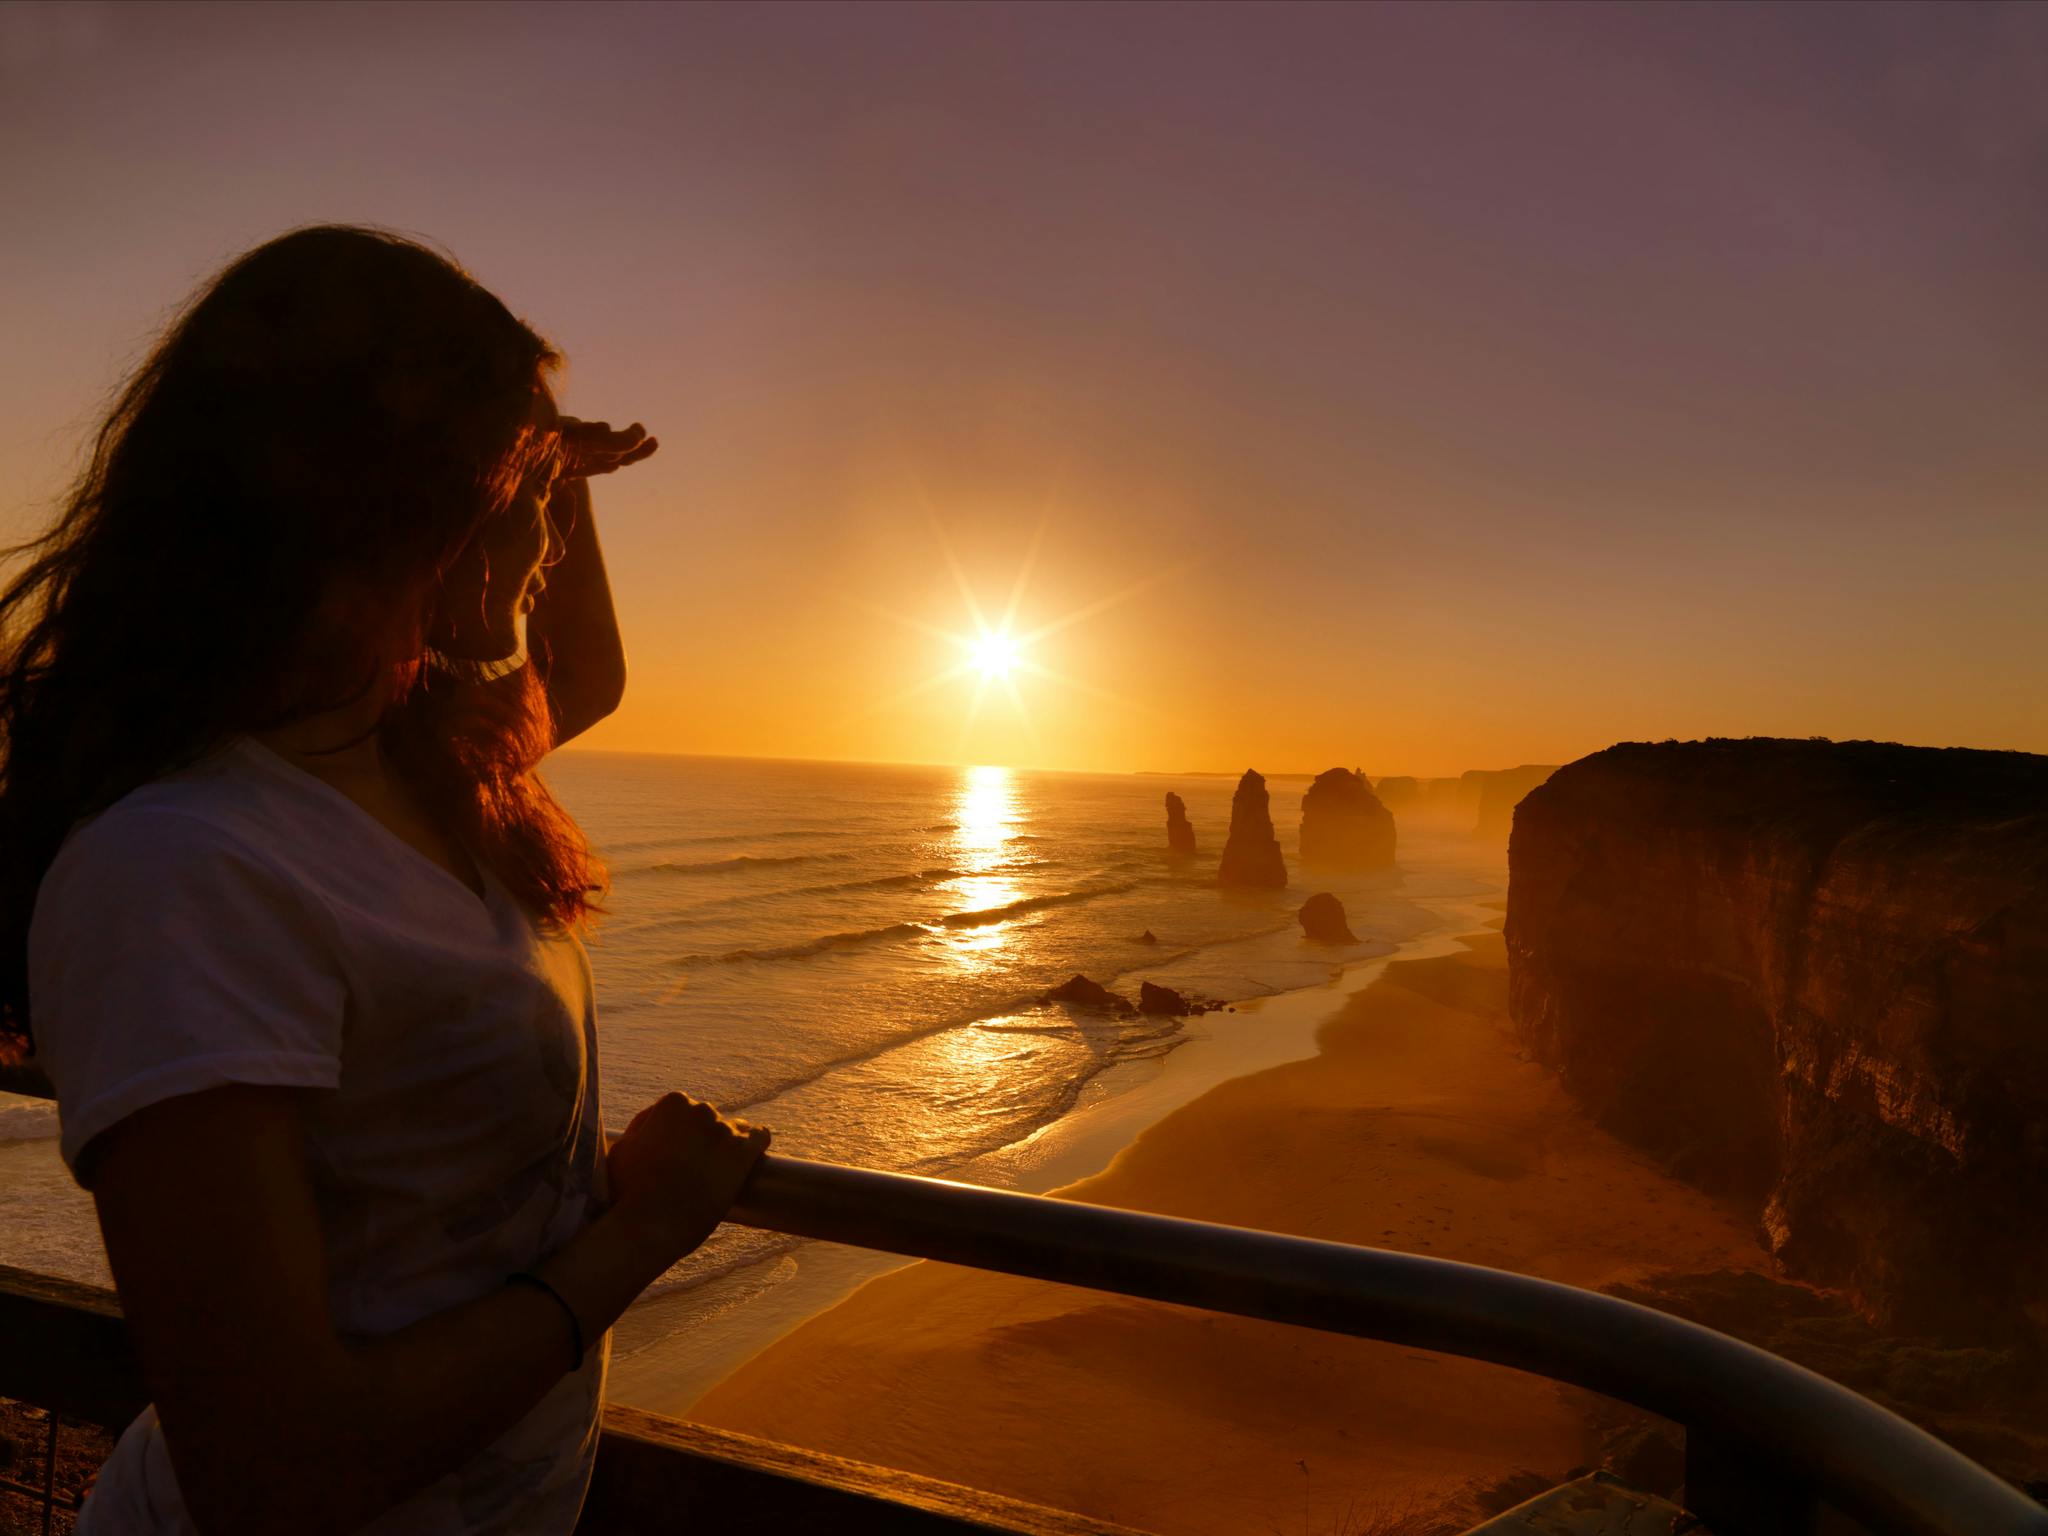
<point x="492" y="587"/>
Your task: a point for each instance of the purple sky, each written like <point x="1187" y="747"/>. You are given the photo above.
<point x="1481" y="384"/>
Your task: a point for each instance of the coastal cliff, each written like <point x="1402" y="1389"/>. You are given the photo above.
<point x="1398" y="792"/>
<point x="1812" y="976"/>
<point x="1410" y="799"/>
<point x="1489" y="796"/>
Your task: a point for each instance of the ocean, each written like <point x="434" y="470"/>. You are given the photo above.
<point x="855" y="955"/>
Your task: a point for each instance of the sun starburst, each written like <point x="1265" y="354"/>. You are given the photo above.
<point x="996" y="653"/>
<point x="989" y="652"/>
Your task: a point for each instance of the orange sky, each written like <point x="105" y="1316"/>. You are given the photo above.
<point x="1458" y="386"/>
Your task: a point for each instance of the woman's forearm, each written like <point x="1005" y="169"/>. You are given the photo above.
<point x="466" y="1375"/>
<point x="574" y="621"/>
<point x="404" y="1409"/>
<point x="273" y="1421"/>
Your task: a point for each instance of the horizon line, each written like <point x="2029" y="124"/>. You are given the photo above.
<point x="955" y="767"/>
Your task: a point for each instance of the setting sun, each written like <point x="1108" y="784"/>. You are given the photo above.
<point x="996" y="652"/>
<point x="1000" y="650"/>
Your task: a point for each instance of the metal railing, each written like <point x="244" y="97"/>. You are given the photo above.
<point x="46" y="1498"/>
<point x="1769" y="1444"/>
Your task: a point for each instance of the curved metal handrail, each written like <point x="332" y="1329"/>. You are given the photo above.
<point x="1814" y="1434"/>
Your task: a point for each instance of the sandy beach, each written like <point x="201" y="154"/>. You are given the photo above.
<point x="1416" y="1127"/>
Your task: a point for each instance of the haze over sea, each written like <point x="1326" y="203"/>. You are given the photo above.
<point x="853" y="954"/>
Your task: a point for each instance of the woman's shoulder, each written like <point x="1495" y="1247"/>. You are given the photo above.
<point x="214" y="815"/>
<point x="216" y="790"/>
<point x="168" y="952"/>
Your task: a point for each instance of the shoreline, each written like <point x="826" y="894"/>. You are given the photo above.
<point x="664" y="1364"/>
<point x="1416" y="1126"/>
<point x="673" y="1346"/>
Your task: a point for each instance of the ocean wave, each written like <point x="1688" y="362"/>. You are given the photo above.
<point x="1025" y="1013"/>
<point x="1115" y="1041"/>
<point x="742" y="861"/>
<point x="702" y="839"/>
<point x="698" y="911"/>
<point x="986" y="915"/>
<point x="779" y="835"/>
<point x="878" y="883"/>
<point x="894" y="933"/>
<point x="732" y="1252"/>
<point x="943" y="826"/>
<point x="28" y="1122"/>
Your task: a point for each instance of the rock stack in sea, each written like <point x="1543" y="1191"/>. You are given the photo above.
<point x="1161" y="1001"/>
<point x="1168" y="1003"/>
<point x="1251" y="854"/>
<point x="1322" y="919"/>
<point x="1180" y="832"/>
<point x="1343" y="824"/>
<point x="1088" y="993"/>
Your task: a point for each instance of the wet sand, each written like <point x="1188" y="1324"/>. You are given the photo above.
<point x="1417" y="1127"/>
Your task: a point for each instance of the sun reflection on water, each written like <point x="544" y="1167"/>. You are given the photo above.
<point x="984" y="811"/>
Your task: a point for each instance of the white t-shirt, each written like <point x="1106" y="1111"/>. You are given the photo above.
<point x="241" y="921"/>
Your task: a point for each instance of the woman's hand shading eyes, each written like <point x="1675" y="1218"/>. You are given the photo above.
<point x="594" y="448"/>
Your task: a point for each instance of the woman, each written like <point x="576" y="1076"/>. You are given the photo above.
<point x="293" y="927"/>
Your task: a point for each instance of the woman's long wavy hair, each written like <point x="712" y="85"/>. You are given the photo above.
<point x="273" y="496"/>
